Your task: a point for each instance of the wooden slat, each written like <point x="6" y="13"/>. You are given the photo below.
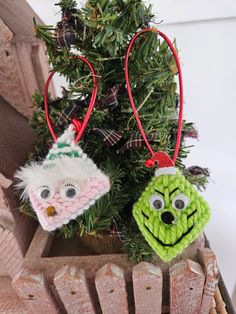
<point x="6" y="219"/>
<point x="24" y="65"/>
<point x="39" y="246"/>
<point x="72" y="287"/>
<point x="11" y="254"/>
<point x="208" y="261"/>
<point x="5" y="33"/>
<point x="12" y="84"/>
<point x="41" y="67"/>
<point x="222" y="288"/>
<point x="220" y="304"/>
<point x="4" y="182"/>
<point x="186" y="287"/>
<point x="9" y="301"/>
<point x="147" y="285"/>
<point x="24" y="59"/>
<point x="3" y="270"/>
<point x="110" y="285"/>
<point x="18" y="16"/>
<point x="34" y="291"/>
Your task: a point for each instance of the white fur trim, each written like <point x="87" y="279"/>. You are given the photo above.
<point x="50" y="172"/>
<point x="165" y="170"/>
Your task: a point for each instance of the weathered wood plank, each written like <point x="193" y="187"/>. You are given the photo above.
<point x="220" y="304"/>
<point x="5" y="33"/>
<point x="186" y="287"/>
<point x="18" y="16"/>
<point x="213" y="307"/>
<point x="24" y="58"/>
<point x="4" y="182"/>
<point x="18" y="139"/>
<point x="22" y="69"/>
<point x="41" y="67"/>
<point x="208" y="261"/>
<point x="110" y="285"/>
<point x="34" y="291"/>
<point x="15" y="130"/>
<point x="39" y="246"/>
<point x="9" y="301"/>
<point x="147" y="285"/>
<point x="6" y="218"/>
<point x="11" y="254"/>
<point x="72" y="287"/>
<point x="3" y="270"/>
<point x="12" y="87"/>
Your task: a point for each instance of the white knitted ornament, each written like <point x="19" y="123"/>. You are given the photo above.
<point x="64" y="185"/>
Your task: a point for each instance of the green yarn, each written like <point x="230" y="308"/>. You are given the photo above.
<point x="72" y="154"/>
<point x="62" y="145"/>
<point x="182" y="226"/>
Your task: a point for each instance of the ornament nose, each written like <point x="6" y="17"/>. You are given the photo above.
<point x="51" y="211"/>
<point x="167" y="217"/>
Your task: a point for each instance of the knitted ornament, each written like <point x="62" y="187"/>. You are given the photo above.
<point x="170" y="212"/>
<point x="67" y="182"/>
<point x="64" y="185"/>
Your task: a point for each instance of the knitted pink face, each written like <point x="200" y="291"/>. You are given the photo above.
<point x="58" y="205"/>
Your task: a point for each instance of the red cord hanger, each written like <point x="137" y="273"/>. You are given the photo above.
<point x="156" y="156"/>
<point x="80" y="127"/>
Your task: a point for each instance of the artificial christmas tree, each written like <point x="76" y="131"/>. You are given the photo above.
<point x="102" y="31"/>
<point x="86" y="278"/>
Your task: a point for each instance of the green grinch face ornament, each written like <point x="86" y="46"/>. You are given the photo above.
<point x="170" y="212"/>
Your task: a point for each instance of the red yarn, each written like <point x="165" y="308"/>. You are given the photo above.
<point x="162" y="159"/>
<point x="80" y="127"/>
<point x="178" y="139"/>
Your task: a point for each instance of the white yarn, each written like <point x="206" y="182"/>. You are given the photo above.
<point x="165" y="170"/>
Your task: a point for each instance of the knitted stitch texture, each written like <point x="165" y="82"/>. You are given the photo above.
<point x="65" y="146"/>
<point x="64" y="185"/>
<point x="170" y="213"/>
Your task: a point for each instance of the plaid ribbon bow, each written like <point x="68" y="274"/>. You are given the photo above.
<point x="136" y="141"/>
<point x="111" y="98"/>
<point x="110" y="137"/>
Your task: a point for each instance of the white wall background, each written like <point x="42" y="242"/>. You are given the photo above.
<point x="205" y="32"/>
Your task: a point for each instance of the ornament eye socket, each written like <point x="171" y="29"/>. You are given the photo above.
<point x="44" y="192"/>
<point x="69" y="191"/>
<point x="157" y="202"/>
<point x="180" y="202"/>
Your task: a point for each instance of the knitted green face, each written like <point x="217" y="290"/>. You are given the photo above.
<point x="170" y="214"/>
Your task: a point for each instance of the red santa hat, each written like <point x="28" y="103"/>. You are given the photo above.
<point x="165" y="164"/>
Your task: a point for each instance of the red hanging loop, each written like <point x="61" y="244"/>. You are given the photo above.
<point x="150" y="162"/>
<point x="79" y="126"/>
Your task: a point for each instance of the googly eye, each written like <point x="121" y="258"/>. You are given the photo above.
<point x="69" y="191"/>
<point x="180" y="202"/>
<point x="157" y="202"/>
<point x="44" y="193"/>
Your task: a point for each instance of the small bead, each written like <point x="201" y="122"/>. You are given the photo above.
<point x="149" y="163"/>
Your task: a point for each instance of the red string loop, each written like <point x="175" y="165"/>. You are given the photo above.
<point x="79" y="126"/>
<point x="151" y="162"/>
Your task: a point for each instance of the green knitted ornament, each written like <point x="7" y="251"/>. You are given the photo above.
<point x="170" y="212"/>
